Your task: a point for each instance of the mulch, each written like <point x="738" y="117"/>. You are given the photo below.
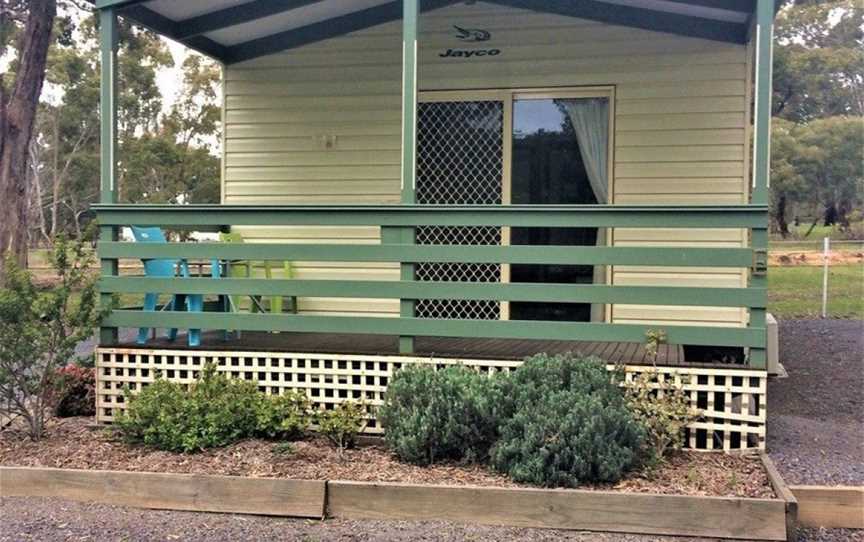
<point x="76" y="443"/>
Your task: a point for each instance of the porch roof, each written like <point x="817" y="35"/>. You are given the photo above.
<point x="238" y="30"/>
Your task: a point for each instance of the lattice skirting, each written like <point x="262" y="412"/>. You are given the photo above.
<point x="732" y="401"/>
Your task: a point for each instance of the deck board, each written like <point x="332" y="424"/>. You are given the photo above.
<point x="347" y="343"/>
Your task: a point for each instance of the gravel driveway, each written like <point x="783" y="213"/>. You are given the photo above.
<point x="816" y="415"/>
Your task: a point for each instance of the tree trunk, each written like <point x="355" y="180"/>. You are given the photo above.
<point x="55" y="178"/>
<point x="17" y="116"/>
<point x="780" y="216"/>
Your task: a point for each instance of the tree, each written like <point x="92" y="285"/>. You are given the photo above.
<point x="787" y="183"/>
<point x="818" y="163"/>
<point x="18" y="104"/>
<point x="831" y="155"/>
<point x="163" y="156"/>
<point x="173" y="164"/>
<point x="819" y="60"/>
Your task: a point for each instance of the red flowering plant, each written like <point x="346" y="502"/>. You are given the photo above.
<point x="75" y="389"/>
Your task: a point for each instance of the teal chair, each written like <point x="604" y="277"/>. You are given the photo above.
<point x="166" y="268"/>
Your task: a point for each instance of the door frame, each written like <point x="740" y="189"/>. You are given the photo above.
<point x="507" y="96"/>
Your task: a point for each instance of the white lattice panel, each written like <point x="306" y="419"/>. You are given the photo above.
<point x="732" y="402"/>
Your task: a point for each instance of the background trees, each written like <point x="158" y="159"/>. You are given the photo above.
<point x="168" y="145"/>
<point x="25" y="25"/>
<point x="818" y="129"/>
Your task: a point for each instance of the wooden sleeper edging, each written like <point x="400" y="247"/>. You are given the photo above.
<point x="722" y="517"/>
<point x="191" y="492"/>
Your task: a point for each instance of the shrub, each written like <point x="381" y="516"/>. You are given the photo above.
<point x="76" y="391"/>
<point x="285" y="416"/>
<point x="342" y="424"/>
<point x="214" y="411"/>
<point x="40" y="327"/>
<point x="567" y="423"/>
<point x="663" y="409"/>
<point x="430" y="415"/>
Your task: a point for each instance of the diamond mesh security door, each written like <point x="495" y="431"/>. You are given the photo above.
<point x="459" y="161"/>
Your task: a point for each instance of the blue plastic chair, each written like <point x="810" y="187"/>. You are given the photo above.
<point x="166" y="268"/>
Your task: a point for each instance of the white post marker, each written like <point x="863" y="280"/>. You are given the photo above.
<point x="826" y="249"/>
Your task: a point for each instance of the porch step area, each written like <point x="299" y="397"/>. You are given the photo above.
<point x="346" y="343"/>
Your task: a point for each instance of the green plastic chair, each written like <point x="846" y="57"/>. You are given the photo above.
<point x="249" y="269"/>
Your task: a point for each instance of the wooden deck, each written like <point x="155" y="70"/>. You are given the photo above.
<point x="331" y="343"/>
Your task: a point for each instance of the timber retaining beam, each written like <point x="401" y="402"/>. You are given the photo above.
<point x="610" y="511"/>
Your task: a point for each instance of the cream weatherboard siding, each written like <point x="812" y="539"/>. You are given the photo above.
<point x="321" y="124"/>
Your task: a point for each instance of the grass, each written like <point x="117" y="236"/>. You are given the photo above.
<point x="796" y="292"/>
<point x="796" y="233"/>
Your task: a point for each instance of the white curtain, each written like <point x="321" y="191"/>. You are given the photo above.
<point x="590" y="120"/>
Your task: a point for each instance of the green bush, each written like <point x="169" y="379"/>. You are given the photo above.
<point x="342" y="424"/>
<point x="40" y="328"/>
<point x="285" y="416"/>
<point x="213" y="411"/>
<point x="431" y="415"/>
<point x="663" y="407"/>
<point x="566" y="423"/>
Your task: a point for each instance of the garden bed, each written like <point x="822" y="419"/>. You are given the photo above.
<point x="75" y="443"/>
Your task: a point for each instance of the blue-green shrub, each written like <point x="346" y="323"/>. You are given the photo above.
<point x="449" y="414"/>
<point x="565" y="423"/>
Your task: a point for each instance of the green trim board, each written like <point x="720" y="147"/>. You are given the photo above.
<point x="510" y="291"/>
<point x="513" y="254"/>
<point x="234" y="15"/>
<point x="106" y="4"/>
<point x="108" y="145"/>
<point x="636" y="17"/>
<point x="108" y="105"/>
<point x="742" y="6"/>
<point x="172" y="29"/>
<point x="493" y="329"/>
<point x="408" y="191"/>
<point x="764" y="41"/>
<point x="624" y="216"/>
<point x="330" y="28"/>
<point x="615" y="14"/>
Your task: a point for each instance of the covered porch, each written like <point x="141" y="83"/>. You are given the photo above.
<point x="345" y="162"/>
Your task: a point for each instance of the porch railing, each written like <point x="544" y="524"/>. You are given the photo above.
<point x="398" y="223"/>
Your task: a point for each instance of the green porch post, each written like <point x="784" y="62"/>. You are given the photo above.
<point x="764" y="38"/>
<point x="108" y="146"/>
<point x="409" y="149"/>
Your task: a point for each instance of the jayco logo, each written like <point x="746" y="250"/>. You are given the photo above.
<point x="470" y="35"/>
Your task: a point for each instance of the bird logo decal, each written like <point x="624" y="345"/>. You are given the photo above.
<point x="472" y="34"/>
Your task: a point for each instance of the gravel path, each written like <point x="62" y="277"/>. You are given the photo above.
<point x="816" y="415"/>
<point x="56" y="520"/>
<point x="49" y="520"/>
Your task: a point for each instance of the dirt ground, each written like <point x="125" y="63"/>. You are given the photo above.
<point x="75" y="443"/>
<point x="816" y="415"/>
<point x="814" y="257"/>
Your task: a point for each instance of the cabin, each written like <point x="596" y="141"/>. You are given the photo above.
<point x="474" y="182"/>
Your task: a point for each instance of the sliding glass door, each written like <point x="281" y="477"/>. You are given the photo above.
<point x="560" y="155"/>
<point x="513" y="147"/>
